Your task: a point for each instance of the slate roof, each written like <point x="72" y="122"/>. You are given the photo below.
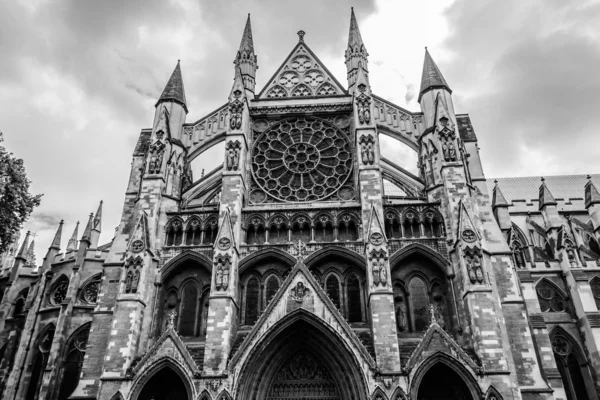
<point x="563" y="187"/>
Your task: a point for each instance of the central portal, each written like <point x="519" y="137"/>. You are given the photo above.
<point x="303" y="376"/>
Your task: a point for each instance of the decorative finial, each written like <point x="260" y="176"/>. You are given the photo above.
<point x="589" y="177"/>
<point x="171" y="319"/>
<point x="495" y="181"/>
<point x="432" y="314"/>
<point x="543" y="179"/>
<point x="301" y="34"/>
<point x="300" y="247"/>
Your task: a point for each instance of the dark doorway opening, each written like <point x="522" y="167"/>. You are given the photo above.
<point x="164" y="385"/>
<point x="442" y="383"/>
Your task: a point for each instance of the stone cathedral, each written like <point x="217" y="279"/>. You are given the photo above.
<point x="309" y="266"/>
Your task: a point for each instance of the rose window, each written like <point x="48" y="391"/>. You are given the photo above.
<point x="60" y="292"/>
<point x="302" y="159"/>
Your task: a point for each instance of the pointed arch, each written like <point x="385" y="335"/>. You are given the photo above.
<point x="551" y="297"/>
<point x="188" y="255"/>
<point x="18" y="305"/>
<point x="145" y="375"/>
<point x="205" y="395"/>
<point x="335" y="251"/>
<point x="298" y="331"/>
<point x="117" y="396"/>
<point x="39" y="359"/>
<point x="265" y="254"/>
<point x="572" y="364"/>
<point x="379" y="394"/>
<point x="224" y="395"/>
<point x="440" y="358"/>
<point x="72" y="361"/>
<point x="398" y="394"/>
<point x="595" y="286"/>
<point x="417" y="248"/>
<point x="174" y="232"/>
<point x="90" y="289"/>
<point x="493" y="394"/>
<point x="58" y="290"/>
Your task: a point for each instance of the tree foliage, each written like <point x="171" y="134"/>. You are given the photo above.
<point x="16" y="203"/>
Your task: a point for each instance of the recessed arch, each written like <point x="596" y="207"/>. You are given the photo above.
<point x="334" y="251"/>
<point x="299" y="332"/>
<point x="161" y="366"/>
<point x="417" y="248"/>
<point x="188" y="255"/>
<point x="447" y="363"/>
<point x="261" y="255"/>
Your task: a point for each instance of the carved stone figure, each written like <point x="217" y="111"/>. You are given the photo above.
<point x="156" y="158"/>
<point x="364" y="113"/>
<point x="401" y="317"/>
<point x="128" y="279"/>
<point x="235" y="116"/>
<point x="135" y="282"/>
<point x="383" y="273"/>
<point x="367" y="149"/>
<point x="299" y="292"/>
<point x="233" y="156"/>
<point x="376" y="270"/>
<point x="219" y="276"/>
<point x="226" y="268"/>
<point x="474" y="268"/>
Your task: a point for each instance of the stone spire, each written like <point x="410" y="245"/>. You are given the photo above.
<point x="498" y="199"/>
<point x="546" y="198"/>
<point x="57" y="237"/>
<point x="174" y="90"/>
<point x="432" y="78"/>
<point x="87" y="233"/>
<point x="246" y="59"/>
<point x="72" y="244"/>
<point x="356" y="53"/>
<point x="24" y="247"/>
<point x="96" y="227"/>
<point x="31" y="254"/>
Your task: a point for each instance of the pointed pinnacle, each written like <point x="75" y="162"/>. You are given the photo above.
<point x="431" y="78"/>
<point x="174" y="90"/>
<point x="57" y="237"/>
<point x="87" y="233"/>
<point x="498" y="199"/>
<point x="24" y="245"/>
<point x="546" y="198"/>
<point x="354" y="38"/>
<point x="98" y="218"/>
<point x="247" y="42"/>
<point x="31" y="253"/>
<point x="72" y="245"/>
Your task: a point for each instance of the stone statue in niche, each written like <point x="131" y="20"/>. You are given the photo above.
<point x="376" y="268"/>
<point x="571" y="254"/>
<point x="135" y="282"/>
<point x="363" y="103"/>
<point x="367" y="149"/>
<point x="299" y="292"/>
<point x="448" y="149"/>
<point x="128" y="279"/>
<point x="401" y="315"/>
<point x="382" y="273"/>
<point x="235" y="114"/>
<point x="157" y="152"/>
<point x="474" y="268"/>
<point x="233" y="155"/>
<point x="222" y="273"/>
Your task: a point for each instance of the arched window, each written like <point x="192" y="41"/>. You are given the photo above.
<point x="278" y="233"/>
<point x="354" y="300"/>
<point x="210" y="232"/>
<point x="332" y="287"/>
<point x="301" y="230"/>
<point x="174" y="233"/>
<point x="420" y="303"/>
<point x="59" y="289"/>
<point x="392" y="226"/>
<point x="44" y="344"/>
<point x="19" y="303"/>
<point x="252" y="301"/>
<point x="570" y="368"/>
<point x="324" y="230"/>
<point x="255" y="233"/>
<point x="432" y="225"/>
<point x="72" y="362"/>
<point x="347" y="230"/>
<point x="89" y="292"/>
<point x="193" y="234"/>
<point x="188" y="317"/>
<point x="271" y="288"/>
<point x="551" y="300"/>
<point x="400" y="308"/>
<point x="411" y="225"/>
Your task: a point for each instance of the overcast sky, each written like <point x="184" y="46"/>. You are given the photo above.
<point x="79" y="79"/>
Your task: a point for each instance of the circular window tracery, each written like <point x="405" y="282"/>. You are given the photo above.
<point x="302" y="159"/>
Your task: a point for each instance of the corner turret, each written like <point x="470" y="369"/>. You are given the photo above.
<point x="246" y="59"/>
<point x="356" y="54"/>
<point x="434" y="86"/>
<point x="172" y="104"/>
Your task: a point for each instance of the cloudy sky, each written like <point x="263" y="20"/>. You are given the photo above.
<point x="79" y="79"/>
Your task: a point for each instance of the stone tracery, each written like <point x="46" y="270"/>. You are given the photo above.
<point x="302" y="159"/>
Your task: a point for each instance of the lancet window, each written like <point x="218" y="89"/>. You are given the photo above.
<point x="255" y="231"/>
<point x="40" y="359"/>
<point x="186" y="301"/>
<point x="550" y="298"/>
<point x="19" y="303"/>
<point x="354" y="299"/>
<point x="333" y="289"/>
<point x="419" y="303"/>
<point x="175" y="233"/>
<point x="278" y="231"/>
<point x="251" y="300"/>
<point x="271" y="288"/>
<point x="193" y="233"/>
<point x="324" y="229"/>
<point x="410" y="225"/>
<point x="432" y="226"/>
<point x="347" y="228"/>
<point x="301" y="229"/>
<point x="211" y="229"/>
<point x="392" y="225"/>
<point x="73" y="361"/>
<point x="571" y="365"/>
<point x="518" y="245"/>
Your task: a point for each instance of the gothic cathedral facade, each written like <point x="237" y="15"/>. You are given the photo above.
<point x="293" y="271"/>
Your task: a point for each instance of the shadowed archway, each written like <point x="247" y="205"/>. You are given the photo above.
<point x="165" y="384"/>
<point x="442" y="377"/>
<point x="301" y="358"/>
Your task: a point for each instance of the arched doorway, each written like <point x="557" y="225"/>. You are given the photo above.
<point x="301" y="359"/>
<point x="441" y="382"/>
<point x="166" y="384"/>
